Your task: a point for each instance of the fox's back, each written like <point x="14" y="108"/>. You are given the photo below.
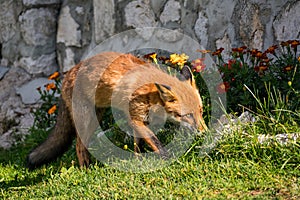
<point x="113" y="72"/>
<point x="114" y="78"/>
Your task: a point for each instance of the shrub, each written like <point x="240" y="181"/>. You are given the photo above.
<point x="263" y="73"/>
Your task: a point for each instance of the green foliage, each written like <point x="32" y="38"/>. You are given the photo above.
<point x="45" y="115"/>
<point x="276" y="68"/>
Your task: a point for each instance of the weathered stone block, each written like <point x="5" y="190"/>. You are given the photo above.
<point x="201" y="29"/>
<point x="40" y="2"/>
<point x="38" y="26"/>
<point x="68" y="31"/>
<point x="104" y="20"/>
<point x="28" y="91"/>
<point x="138" y="14"/>
<point x="287" y="24"/>
<point x="171" y="12"/>
<point x="45" y="64"/>
<point x="3" y="71"/>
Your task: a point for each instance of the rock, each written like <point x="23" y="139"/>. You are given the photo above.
<point x="38" y="26"/>
<point x="8" y="20"/>
<point x="201" y="29"/>
<point x="138" y="14"/>
<point x="171" y="12"/>
<point x="40" y="2"/>
<point x="157" y="5"/>
<point x="251" y="29"/>
<point x="226" y="44"/>
<point x="17" y="133"/>
<point x="104" y="20"/>
<point x="167" y="35"/>
<point x="45" y="64"/>
<point x="69" y="60"/>
<point x="286" y="25"/>
<point x="29" y="93"/>
<point x="3" y="71"/>
<point x="6" y="140"/>
<point x="68" y="31"/>
<point x="10" y="106"/>
<point x="15" y="77"/>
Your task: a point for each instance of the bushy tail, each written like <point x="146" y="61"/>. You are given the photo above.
<point x="57" y="142"/>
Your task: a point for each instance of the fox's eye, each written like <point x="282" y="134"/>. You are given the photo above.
<point x="188" y="115"/>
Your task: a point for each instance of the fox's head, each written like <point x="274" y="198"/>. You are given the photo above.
<point x="182" y="101"/>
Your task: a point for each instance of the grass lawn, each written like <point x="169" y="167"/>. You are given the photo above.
<point x="239" y="167"/>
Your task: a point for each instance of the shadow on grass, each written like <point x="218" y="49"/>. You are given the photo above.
<point x="14" y="174"/>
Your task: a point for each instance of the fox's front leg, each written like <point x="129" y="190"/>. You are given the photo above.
<point x="142" y="132"/>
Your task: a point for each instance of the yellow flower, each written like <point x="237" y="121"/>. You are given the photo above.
<point x="52" y="110"/>
<point x="153" y="56"/>
<point x="125" y="147"/>
<point x="290" y="83"/>
<point x="178" y="59"/>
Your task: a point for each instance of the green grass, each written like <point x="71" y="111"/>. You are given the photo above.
<point x="239" y="167"/>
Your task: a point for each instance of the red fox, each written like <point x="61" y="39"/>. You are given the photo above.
<point x="179" y="98"/>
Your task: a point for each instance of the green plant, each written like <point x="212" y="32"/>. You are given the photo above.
<point x="277" y="67"/>
<point x="45" y="115"/>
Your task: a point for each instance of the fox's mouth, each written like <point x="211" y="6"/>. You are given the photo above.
<point x="184" y="122"/>
<point x="188" y="121"/>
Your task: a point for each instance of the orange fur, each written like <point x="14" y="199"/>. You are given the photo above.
<point x="144" y="87"/>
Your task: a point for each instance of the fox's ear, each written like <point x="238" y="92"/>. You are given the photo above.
<point x="187" y="75"/>
<point x="165" y="93"/>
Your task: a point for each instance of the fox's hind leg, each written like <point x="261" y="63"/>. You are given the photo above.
<point x="82" y="153"/>
<point x="88" y="128"/>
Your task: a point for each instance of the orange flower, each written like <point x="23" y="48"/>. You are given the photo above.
<point x="223" y="87"/>
<point x="52" y="110"/>
<point x="50" y="86"/>
<point x="285" y="43"/>
<point x="271" y="49"/>
<point x="203" y="51"/>
<point x="295" y="43"/>
<point x="218" y="52"/>
<point x="239" y="49"/>
<point x="299" y="58"/>
<point x="288" y="68"/>
<point x="253" y="52"/>
<point x="55" y="75"/>
<point x="261" y="68"/>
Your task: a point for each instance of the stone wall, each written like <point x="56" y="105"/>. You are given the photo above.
<point x="38" y="37"/>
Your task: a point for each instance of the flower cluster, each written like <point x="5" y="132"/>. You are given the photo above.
<point x="45" y="116"/>
<point x="276" y="67"/>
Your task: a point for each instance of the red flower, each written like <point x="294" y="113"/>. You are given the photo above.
<point x="198" y="65"/>
<point x="223" y="87"/>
